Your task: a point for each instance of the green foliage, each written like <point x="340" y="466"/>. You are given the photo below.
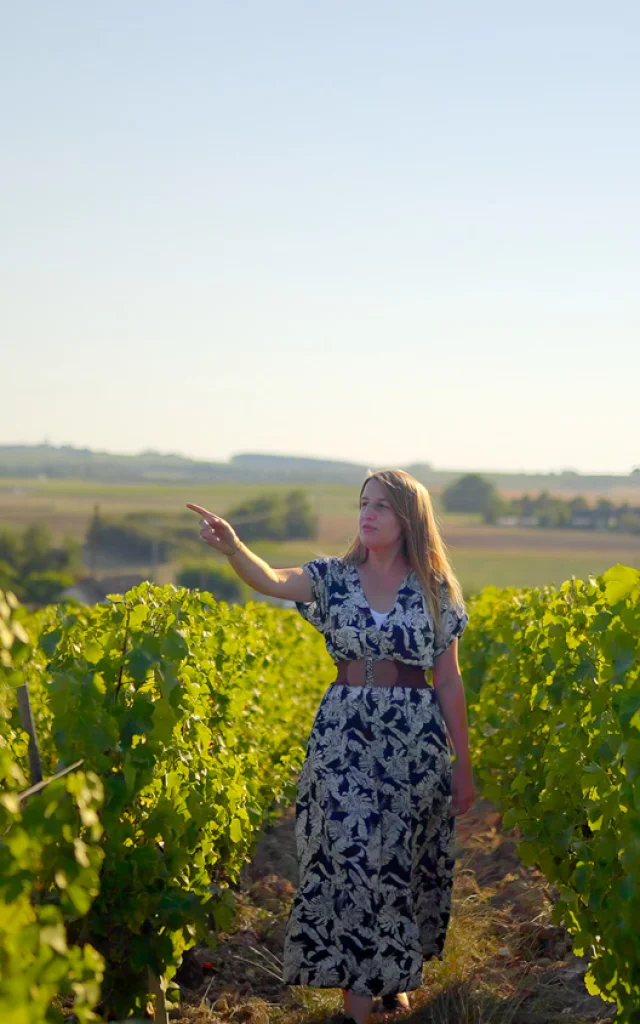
<point x="14" y="639"/>
<point x="220" y="580"/>
<point x="8" y="575"/>
<point x="300" y="520"/>
<point x="21" y="662"/>
<point x="472" y="493"/>
<point x="15" y="654"/>
<point x="49" y="872"/>
<point x="49" y="869"/>
<point x="42" y="588"/>
<point x="193" y="714"/>
<point x="553" y="685"/>
<point x="275" y="516"/>
<point x="131" y="539"/>
<point x="35" y="570"/>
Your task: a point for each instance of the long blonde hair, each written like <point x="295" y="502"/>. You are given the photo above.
<point x="423" y="545"/>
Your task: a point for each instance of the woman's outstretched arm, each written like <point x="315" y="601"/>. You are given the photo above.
<point x="289" y="584"/>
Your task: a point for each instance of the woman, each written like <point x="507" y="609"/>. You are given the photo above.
<point x="377" y="794"/>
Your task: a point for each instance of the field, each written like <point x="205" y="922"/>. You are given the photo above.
<point x="481" y="555"/>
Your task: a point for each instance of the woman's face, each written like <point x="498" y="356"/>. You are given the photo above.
<point x="379" y="526"/>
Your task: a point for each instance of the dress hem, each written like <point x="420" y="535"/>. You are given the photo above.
<point x="411" y="986"/>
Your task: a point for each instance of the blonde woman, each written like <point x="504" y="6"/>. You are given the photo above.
<point x="377" y="795"/>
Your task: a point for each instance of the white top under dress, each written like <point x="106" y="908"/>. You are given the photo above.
<point x="378" y="617"/>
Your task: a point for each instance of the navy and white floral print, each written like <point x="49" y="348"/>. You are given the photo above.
<point x="340" y="611"/>
<point x="375" y="839"/>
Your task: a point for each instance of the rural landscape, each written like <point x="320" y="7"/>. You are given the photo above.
<point x="158" y="536"/>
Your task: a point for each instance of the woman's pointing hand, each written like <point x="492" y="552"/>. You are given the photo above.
<point x="216" y="531"/>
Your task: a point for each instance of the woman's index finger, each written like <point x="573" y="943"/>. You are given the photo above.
<point x="201" y="511"/>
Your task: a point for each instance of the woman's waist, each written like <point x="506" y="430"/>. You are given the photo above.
<point x="369" y="671"/>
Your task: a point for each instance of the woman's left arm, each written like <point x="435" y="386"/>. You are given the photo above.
<point x="447" y="682"/>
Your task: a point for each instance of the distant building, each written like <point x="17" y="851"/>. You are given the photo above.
<point x="529" y="520"/>
<point x="585" y="519"/>
<point x="592" y="519"/>
<point x="508" y="520"/>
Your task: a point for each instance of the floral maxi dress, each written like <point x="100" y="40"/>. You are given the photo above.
<point x="375" y="839"/>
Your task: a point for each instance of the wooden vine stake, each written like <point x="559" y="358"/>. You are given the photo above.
<point x="27" y="723"/>
<point x="156" y="988"/>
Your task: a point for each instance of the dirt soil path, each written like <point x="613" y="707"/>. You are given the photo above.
<point x="505" y="962"/>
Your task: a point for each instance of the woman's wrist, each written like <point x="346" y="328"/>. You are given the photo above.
<point x="238" y="543"/>
<point x="463" y="760"/>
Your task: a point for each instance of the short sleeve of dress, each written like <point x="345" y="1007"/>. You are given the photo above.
<point x="454" y="619"/>
<point x="316" y="611"/>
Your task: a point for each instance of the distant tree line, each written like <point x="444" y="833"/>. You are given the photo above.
<point x="473" y="493"/>
<point x="149" y="537"/>
<point x="575" y="513"/>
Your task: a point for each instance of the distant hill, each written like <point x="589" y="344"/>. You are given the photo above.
<point x="69" y="463"/>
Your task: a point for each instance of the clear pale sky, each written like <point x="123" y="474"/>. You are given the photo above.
<point x="379" y="231"/>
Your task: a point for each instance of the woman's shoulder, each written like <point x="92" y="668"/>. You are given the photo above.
<point x="441" y="587"/>
<point x="327" y="566"/>
<point x="330" y="560"/>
